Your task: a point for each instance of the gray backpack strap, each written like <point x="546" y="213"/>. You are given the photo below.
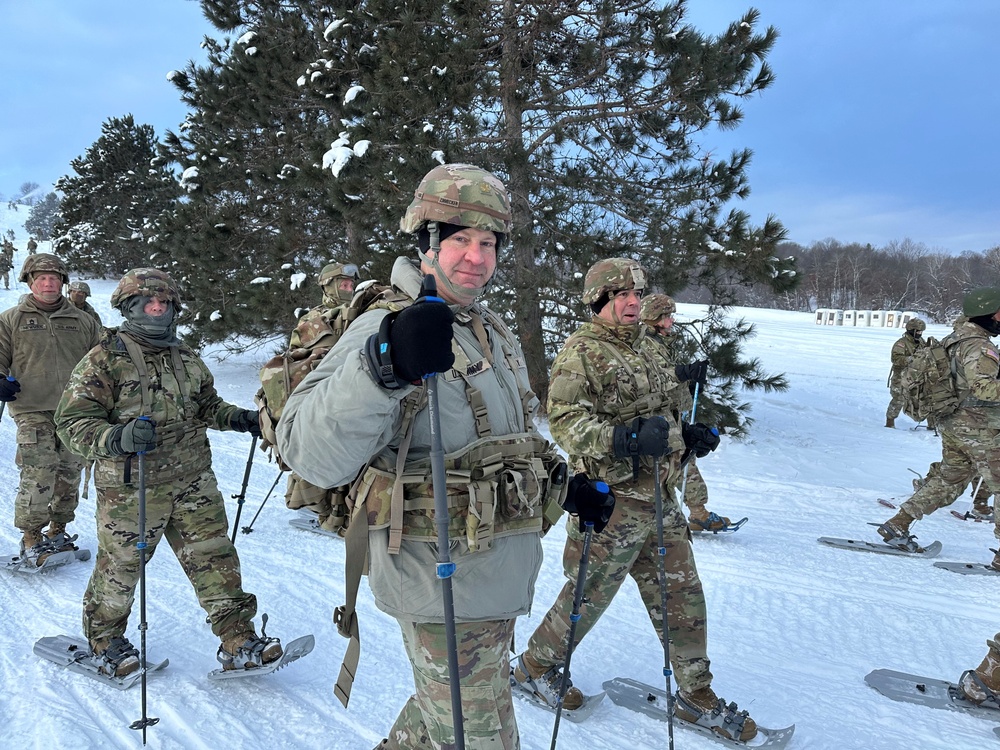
<point x="135" y="354"/>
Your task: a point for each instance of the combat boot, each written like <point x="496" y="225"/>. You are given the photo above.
<point x="35" y="547"/>
<point x="982" y="685"/>
<point x="115" y="657"/>
<point x="704" y="708"/>
<point x="701" y="520"/>
<point x="996" y="559"/>
<point x="544" y="683"/>
<point x="890" y="422"/>
<point x="59" y="539"/>
<point x="245" y="650"/>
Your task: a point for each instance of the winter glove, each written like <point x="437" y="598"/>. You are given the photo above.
<point x="700" y="439"/>
<point x="9" y="388"/>
<point x="246" y="420"/>
<point x="414" y="342"/>
<point x="590" y="499"/>
<point x="135" y="436"/>
<point x="645" y="437"/>
<point x="696" y="372"/>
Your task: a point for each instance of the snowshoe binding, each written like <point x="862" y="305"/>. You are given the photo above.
<point x="976" y="691"/>
<point x="118" y="659"/>
<point x="546" y="686"/>
<point x="247" y="650"/>
<point x="707" y="710"/>
<point x="898" y="538"/>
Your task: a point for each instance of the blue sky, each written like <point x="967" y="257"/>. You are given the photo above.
<point x="881" y="125"/>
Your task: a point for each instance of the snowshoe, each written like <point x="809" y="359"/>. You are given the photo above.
<point x="248" y="651"/>
<point x="708" y="522"/>
<point x="976" y="691"/>
<point x="707" y="710"/>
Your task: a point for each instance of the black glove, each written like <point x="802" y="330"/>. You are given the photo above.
<point x="700" y="439"/>
<point x="590" y="499"/>
<point x="136" y="436"/>
<point x="9" y="389"/>
<point x="414" y="342"/>
<point x="645" y="437"/>
<point x="246" y="420"/>
<point x="696" y="372"/>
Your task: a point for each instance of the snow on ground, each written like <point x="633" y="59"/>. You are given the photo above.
<point x="794" y="626"/>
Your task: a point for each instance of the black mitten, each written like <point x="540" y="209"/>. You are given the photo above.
<point x="700" y="439"/>
<point x="246" y="420"/>
<point x="645" y="437"/>
<point x="9" y="388"/>
<point x="135" y="436"/>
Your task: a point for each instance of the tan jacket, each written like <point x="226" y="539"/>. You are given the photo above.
<point x="41" y="349"/>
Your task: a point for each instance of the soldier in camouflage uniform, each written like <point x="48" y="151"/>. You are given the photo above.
<point x="612" y="408"/>
<point x="78" y="291"/>
<point x="41" y="340"/>
<point x="362" y="411"/>
<point x="337" y="280"/>
<point x="657" y="314"/>
<point x="902" y="350"/>
<point x="32" y="246"/>
<point x="141" y="390"/>
<point x="970" y="435"/>
<point x="6" y="262"/>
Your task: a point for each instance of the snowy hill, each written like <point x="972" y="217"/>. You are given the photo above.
<point x="794" y="626"/>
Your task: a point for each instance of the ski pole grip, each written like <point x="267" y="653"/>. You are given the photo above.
<point x="600" y="487"/>
<point x="429" y="290"/>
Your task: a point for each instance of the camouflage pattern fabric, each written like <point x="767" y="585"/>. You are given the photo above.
<point x="189" y="512"/>
<point x="487" y="707"/>
<point x="610" y="276"/>
<point x="603" y="376"/>
<point x="182" y="498"/>
<point x="6" y="278"/>
<point x="459" y="194"/>
<point x="42" y="263"/>
<point x="32" y="246"/>
<point x="627" y="547"/>
<point x="50" y="473"/>
<point x="902" y="350"/>
<point x="970" y="436"/>
<point x="89" y="309"/>
<point x="146" y="282"/>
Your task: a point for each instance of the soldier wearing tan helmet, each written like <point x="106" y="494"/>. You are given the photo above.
<point x="364" y="410"/>
<point x="78" y="291"/>
<point x="612" y="409"/>
<point x="969" y="439"/>
<point x="6" y="262"/>
<point x="142" y="390"/>
<point x="657" y="314"/>
<point x="41" y="340"/>
<point x="902" y="350"/>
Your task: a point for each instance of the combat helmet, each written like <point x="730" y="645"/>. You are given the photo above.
<point x="916" y="325"/>
<point x="463" y="195"/>
<point x="611" y="275"/>
<point x="145" y="282"/>
<point x="982" y="301"/>
<point x="42" y="263"/>
<point x="333" y="271"/>
<point x="79" y="286"/>
<point x="655" y="306"/>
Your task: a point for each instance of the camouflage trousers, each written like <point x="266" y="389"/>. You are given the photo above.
<point x="50" y="474"/>
<point x="189" y="512"/>
<point x="484" y="670"/>
<point x="6" y="278"/>
<point x="628" y="547"/>
<point x="965" y="453"/>
<point x="696" y="491"/>
<point x="895" y="401"/>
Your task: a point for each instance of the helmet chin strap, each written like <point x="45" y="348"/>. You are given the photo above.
<point x="457" y="292"/>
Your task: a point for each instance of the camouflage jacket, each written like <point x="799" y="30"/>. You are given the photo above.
<point x="41" y="349"/>
<point x="89" y="309"/>
<point x="977" y="373"/>
<point x="683" y="400"/>
<point x="105" y="390"/>
<point x="312" y="327"/>
<point x="604" y="376"/>
<point x="902" y="350"/>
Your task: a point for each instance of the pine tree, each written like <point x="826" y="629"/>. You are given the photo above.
<point x="112" y="200"/>
<point x="42" y="217"/>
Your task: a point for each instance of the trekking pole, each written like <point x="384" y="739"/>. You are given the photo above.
<point x="445" y="567"/>
<point x="661" y="553"/>
<point x="248" y="529"/>
<point x="145" y="721"/>
<point x="241" y="498"/>
<point x="574" y="618"/>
